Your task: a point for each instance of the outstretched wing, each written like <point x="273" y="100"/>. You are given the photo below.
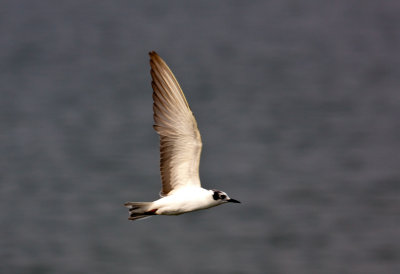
<point x="180" y="140"/>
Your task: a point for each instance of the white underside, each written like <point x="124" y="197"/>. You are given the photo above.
<point x="184" y="200"/>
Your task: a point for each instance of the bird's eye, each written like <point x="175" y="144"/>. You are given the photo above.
<point x="223" y="197"/>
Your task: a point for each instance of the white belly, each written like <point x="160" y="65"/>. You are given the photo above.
<point x="184" y="201"/>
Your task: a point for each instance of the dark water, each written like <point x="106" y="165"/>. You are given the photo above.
<point x="298" y="103"/>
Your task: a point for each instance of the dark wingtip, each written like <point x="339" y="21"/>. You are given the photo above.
<point x="153" y="53"/>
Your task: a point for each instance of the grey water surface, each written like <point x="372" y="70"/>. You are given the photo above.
<point x="298" y="103"/>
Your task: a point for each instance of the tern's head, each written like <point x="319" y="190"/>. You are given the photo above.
<point x="222" y="197"/>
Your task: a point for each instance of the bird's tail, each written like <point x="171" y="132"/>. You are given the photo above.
<point x="138" y="210"/>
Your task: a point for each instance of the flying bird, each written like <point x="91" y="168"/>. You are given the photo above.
<point x="180" y="149"/>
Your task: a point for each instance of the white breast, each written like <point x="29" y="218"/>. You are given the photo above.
<point x="184" y="200"/>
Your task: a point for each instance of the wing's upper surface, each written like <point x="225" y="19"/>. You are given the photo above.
<point x="180" y="141"/>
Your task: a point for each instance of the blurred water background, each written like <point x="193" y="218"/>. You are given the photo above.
<point x="298" y="103"/>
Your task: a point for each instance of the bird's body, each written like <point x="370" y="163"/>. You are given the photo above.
<point x="184" y="200"/>
<point x="180" y="149"/>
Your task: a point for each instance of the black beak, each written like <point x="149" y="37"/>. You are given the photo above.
<point x="233" y="201"/>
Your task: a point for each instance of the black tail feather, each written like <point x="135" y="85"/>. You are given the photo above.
<point x="139" y="210"/>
